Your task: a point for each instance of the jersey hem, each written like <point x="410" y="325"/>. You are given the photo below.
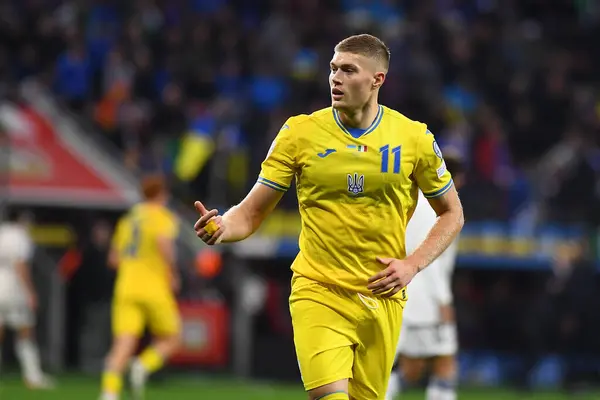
<point x="349" y="288"/>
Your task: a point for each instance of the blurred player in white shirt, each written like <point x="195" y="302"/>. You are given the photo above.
<point x="429" y="329"/>
<point x="18" y="300"/>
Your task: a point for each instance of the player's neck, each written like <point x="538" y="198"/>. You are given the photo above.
<point x="361" y="118"/>
<point x="155" y="202"/>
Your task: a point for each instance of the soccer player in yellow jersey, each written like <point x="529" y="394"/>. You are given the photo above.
<point x="358" y="167"/>
<point x="143" y="251"/>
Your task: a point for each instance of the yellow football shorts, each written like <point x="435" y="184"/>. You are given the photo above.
<point x="342" y="334"/>
<point x="131" y="314"/>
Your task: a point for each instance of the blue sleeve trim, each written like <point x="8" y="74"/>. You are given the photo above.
<point x="272" y="185"/>
<point x="441" y="191"/>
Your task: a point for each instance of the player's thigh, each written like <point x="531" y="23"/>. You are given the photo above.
<point x="163" y="316"/>
<point x="21" y="319"/>
<point x="412" y="368"/>
<point x="375" y="354"/>
<point x="324" y="334"/>
<point x="128" y="317"/>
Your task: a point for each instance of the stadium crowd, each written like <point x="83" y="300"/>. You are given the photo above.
<point x="171" y="82"/>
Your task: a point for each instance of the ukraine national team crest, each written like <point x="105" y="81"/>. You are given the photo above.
<point x="356" y="183"/>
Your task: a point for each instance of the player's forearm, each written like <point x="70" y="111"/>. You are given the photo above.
<point x="440" y="283"/>
<point x="443" y="232"/>
<point x="113" y="258"/>
<point x="167" y="250"/>
<point x="25" y="276"/>
<point x="239" y="223"/>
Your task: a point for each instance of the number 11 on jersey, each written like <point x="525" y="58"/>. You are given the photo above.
<point x="385" y="155"/>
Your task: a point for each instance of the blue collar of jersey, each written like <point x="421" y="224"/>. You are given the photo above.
<point x="357" y="132"/>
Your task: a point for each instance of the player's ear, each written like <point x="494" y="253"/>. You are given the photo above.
<point x="378" y="80"/>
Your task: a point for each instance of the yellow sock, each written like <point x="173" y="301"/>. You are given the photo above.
<point x="335" y="396"/>
<point x="151" y="359"/>
<point x="111" y="383"/>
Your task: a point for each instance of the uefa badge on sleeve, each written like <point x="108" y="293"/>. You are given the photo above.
<point x="441" y="170"/>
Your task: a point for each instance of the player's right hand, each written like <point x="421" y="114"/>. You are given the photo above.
<point x="32" y="301"/>
<point x="175" y="282"/>
<point x="209" y="227"/>
<point x="447" y="313"/>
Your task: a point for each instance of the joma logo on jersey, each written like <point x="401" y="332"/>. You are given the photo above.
<point x="356" y="183"/>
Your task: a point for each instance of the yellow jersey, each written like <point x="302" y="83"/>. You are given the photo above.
<point x="357" y="190"/>
<point x="142" y="268"/>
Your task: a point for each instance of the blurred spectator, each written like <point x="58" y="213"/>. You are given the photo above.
<point x="73" y="76"/>
<point x="563" y="318"/>
<point x="90" y="291"/>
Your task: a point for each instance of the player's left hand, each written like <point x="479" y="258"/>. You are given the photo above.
<point x="391" y="280"/>
<point x="175" y="283"/>
<point x="32" y="301"/>
<point x="447" y="313"/>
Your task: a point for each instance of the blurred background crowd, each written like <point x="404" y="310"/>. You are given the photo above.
<point x="198" y="89"/>
<point x="502" y="83"/>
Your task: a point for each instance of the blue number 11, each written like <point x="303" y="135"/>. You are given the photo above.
<point x="385" y="151"/>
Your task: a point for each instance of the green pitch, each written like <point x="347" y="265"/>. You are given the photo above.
<point x="79" y="388"/>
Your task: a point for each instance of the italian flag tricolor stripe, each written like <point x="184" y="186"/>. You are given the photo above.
<point x="362" y="148"/>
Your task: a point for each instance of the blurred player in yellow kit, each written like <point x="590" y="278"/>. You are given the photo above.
<point x="143" y="251"/>
<point x="358" y="168"/>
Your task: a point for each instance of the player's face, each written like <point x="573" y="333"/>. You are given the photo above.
<point x="353" y="80"/>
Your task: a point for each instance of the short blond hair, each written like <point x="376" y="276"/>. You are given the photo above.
<point x="366" y="45"/>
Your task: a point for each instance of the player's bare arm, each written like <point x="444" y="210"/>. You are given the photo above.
<point x="24" y="275"/>
<point x="241" y="220"/>
<point x="449" y="224"/>
<point x="113" y="258"/>
<point x="167" y="249"/>
<point x="399" y="273"/>
<point x="113" y="253"/>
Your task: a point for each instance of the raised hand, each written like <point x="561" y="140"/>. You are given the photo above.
<point x="209" y="227"/>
